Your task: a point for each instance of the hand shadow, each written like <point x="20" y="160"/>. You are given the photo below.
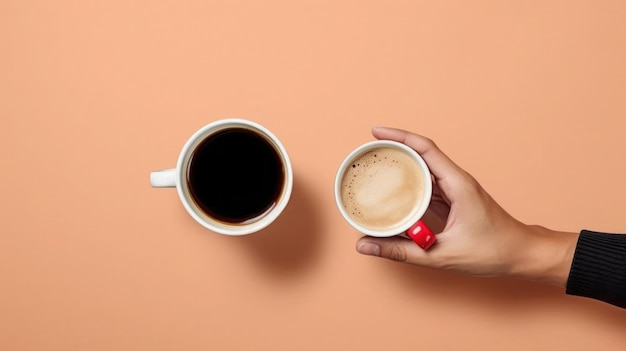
<point x="291" y="244"/>
<point x="504" y="296"/>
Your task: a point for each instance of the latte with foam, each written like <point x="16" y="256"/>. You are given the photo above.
<point x="382" y="188"/>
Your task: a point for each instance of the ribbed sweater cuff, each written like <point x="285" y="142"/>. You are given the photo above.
<point x="599" y="268"/>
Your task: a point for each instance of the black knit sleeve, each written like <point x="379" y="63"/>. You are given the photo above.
<point x="599" y="268"/>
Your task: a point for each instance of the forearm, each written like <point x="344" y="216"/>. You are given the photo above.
<point x="589" y="264"/>
<point x="545" y="255"/>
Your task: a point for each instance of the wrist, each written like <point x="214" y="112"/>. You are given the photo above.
<point x="545" y="255"/>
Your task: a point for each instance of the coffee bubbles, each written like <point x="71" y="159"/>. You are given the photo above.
<point x="381" y="188"/>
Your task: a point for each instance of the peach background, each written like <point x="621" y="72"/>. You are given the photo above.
<point x="528" y="96"/>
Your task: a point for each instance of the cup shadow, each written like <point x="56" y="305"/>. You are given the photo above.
<point x="292" y="243"/>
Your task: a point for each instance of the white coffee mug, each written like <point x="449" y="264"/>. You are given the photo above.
<point x="371" y="182"/>
<point x="214" y="159"/>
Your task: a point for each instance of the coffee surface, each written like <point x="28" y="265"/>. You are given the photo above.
<point x="235" y="176"/>
<point x="381" y="188"/>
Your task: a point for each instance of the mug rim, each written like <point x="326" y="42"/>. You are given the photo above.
<point x="219" y="226"/>
<point x="417" y="213"/>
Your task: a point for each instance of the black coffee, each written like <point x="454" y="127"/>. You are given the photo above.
<point x="235" y="175"/>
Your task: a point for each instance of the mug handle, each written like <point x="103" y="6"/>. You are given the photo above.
<point x="421" y="235"/>
<point x="163" y="179"/>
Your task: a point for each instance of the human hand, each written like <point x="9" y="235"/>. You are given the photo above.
<point x="476" y="235"/>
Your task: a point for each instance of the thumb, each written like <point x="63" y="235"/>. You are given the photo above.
<point x="394" y="248"/>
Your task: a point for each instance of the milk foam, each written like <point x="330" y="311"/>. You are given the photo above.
<point x="382" y="188"/>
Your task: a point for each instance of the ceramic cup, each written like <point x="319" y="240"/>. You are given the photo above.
<point x="233" y="176"/>
<point x="383" y="188"/>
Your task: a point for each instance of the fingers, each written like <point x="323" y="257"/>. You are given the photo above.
<point x="440" y="165"/>
<point x="395" y="248"/>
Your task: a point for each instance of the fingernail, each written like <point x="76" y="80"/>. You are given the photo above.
<point x="368" y="248"/>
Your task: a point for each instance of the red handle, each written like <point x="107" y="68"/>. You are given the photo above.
<point x="422" y="235"/>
